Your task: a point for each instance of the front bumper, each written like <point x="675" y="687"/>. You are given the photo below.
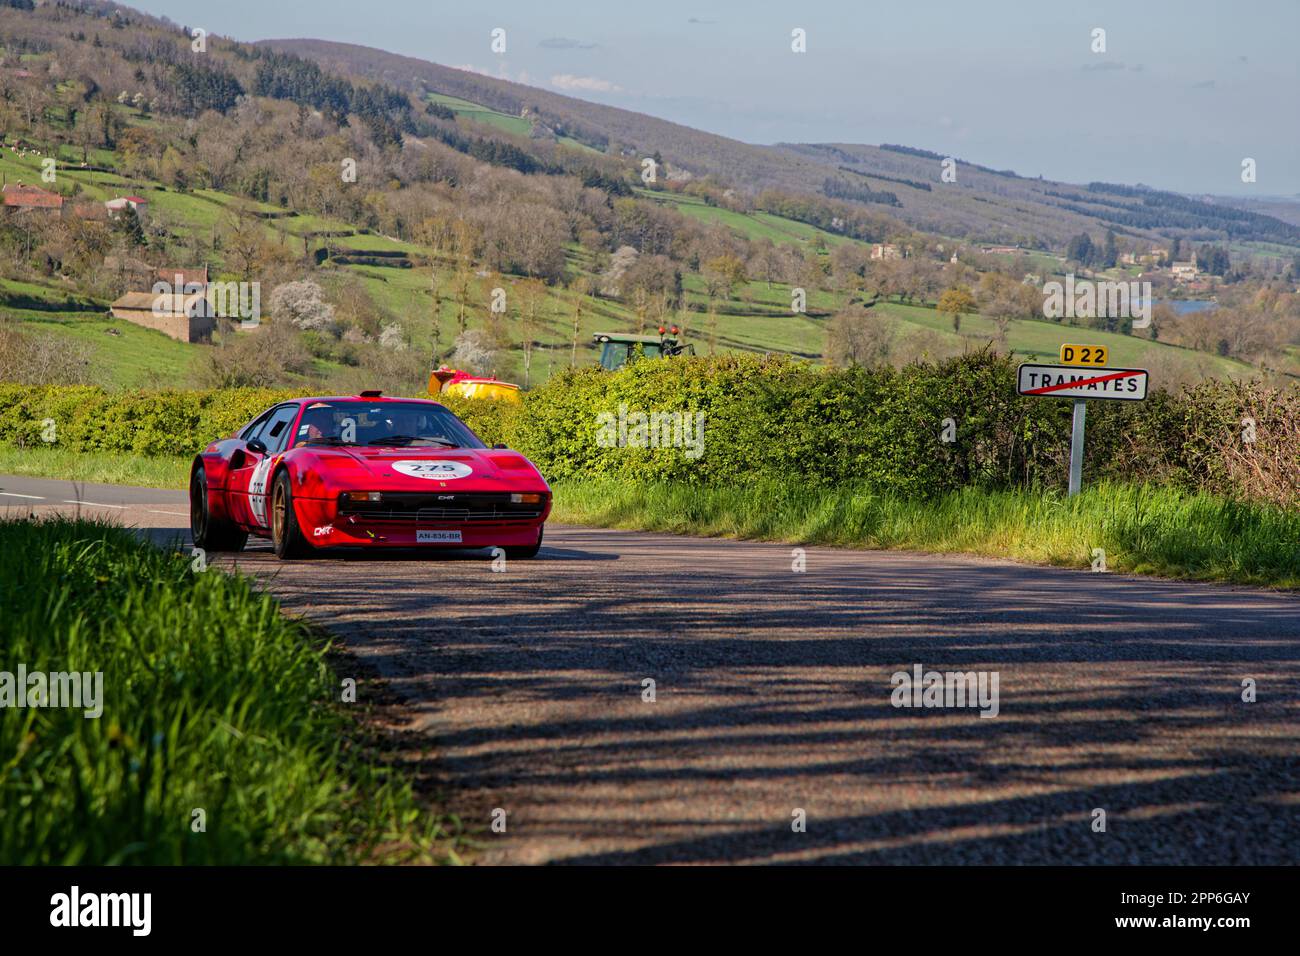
<point x="401" y="520"/>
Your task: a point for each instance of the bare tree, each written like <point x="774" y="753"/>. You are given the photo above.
<point x="581" y="288"/>
<point x="530" y="294"/>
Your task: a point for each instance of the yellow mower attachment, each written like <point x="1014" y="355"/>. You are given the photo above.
<point x="449" y="381"/>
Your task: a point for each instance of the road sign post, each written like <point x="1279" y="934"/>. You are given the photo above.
<point x="1081" y="384"/>
<point x="1076" y="446"/>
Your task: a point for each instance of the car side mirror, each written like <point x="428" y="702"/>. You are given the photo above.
<point x="499" y="445"/>
<point x="256" y="445"/>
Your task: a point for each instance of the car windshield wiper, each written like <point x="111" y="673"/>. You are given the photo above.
<point x="407" y="439"/>
<point x="326" y="440"/>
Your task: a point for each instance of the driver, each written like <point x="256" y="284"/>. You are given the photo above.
<point x="317" y="423"/>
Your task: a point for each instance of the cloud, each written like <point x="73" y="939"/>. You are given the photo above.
<point x="1203" y="85"/>
<point x="700" y="20"/>
<point x="1103" y="65"/>
<point x="500" y="73"/>
<point x="565" y="43"/>
<point x="587" y="84"/>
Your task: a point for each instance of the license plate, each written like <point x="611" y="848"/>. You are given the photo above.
<point x="437" y="537"/>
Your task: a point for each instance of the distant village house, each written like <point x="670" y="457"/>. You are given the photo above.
<point x="177" y="305"/>
<point x="115" y="206"/>
<point x="19" y="197"/>
<point x="185" y="317"/>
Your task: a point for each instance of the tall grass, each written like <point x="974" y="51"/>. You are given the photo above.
<point x="105" y="467"/>
<point x="1142" y="528"/>
<point x="212" y="700"/>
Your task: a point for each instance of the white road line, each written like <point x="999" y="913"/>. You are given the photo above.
<point x="14" y="494"/>
<point x="179" y="514"/>
<point x="91" y="504"/>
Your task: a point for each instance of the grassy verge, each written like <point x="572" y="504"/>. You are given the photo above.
<point x="1142" y="529"/>
<point x="111" y="468"/>
<point x="211" y="700"/>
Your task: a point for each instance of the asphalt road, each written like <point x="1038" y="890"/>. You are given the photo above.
<point x="773" y="695"/>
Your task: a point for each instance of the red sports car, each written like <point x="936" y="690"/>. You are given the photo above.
<point x="367" y="471"/>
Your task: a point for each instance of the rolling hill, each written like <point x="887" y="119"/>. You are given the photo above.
<point x="984" y="205"/>
<point x="237" y="160"/>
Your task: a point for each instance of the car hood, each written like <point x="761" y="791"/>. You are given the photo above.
<point x="418" y="469"/>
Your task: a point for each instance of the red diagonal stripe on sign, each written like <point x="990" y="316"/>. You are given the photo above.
<point x="1081" y="382"/>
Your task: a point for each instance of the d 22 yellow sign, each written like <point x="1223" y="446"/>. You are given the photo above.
<point x="1092" y="355"/>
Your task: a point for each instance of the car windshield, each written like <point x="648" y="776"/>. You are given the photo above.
<point x="393" y="424"/>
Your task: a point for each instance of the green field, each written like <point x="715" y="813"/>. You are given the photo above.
<point x="107" y="468"/>
<point x="91" y="186"/>
<point x="755" y="225"/>
<point x="369" y="242"/>
<point x="16" y="168"/>
<point x="301" y="224"/>
<point x="516" y="125"/>
<point x="1041" y="340"/>
<point x="193" y="214"/>
<point x="134" y="357"/>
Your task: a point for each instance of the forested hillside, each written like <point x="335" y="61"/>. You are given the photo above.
<point x="392" y="214"/>
<point x="982" y="204"/>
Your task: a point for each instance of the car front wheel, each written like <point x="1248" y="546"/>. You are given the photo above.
<point x="286" y="536"/>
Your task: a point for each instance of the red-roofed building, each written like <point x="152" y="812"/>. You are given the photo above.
<point x="141" y="206"/>
<point x="18" y="196"/>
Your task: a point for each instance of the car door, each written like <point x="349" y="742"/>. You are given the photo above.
<point x="275" y="436"/>
<point x="240" y="470"/>
<point x="250" y="480"/>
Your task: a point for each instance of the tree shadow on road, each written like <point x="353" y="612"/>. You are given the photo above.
<point x="773" y="693"/>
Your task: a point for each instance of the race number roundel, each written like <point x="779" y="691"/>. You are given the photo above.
<point x="434" y="470"/>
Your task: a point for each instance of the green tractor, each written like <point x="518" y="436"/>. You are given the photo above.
<point x="619" y="348"/>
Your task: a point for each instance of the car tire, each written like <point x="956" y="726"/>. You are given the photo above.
<point x="207" y="532"/>
<point x="286" y="536"/>
<point x="526" y="551"/>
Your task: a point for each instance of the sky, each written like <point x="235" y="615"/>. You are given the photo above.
<point x="1184" y="92"/>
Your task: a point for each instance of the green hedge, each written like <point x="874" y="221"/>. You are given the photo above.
<point x="773" y="418"/>
<point x="155" y="423"/>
